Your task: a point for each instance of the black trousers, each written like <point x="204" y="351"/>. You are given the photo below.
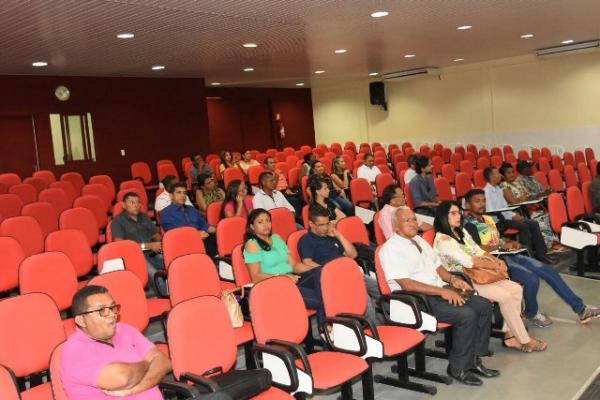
<point x="530" y="235"/>
<point x="471" y="326"/>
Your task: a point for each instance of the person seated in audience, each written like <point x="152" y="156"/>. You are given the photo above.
<point x="336" y="194"/>
<point x="267" y="197"/>
<point x="410" y="264"/>
<point x="458" y="251"/>
<point x="246" y="162"/>
<point x="341" y="175"/>
<point x="207" y="192"/>
<point x="295" y="199"/>
<point x="410" y="173"/>
<point x="515" y="193"/>
<point x="523" y="269"/>
<point x="529" y="230"/>
<point x="527" y="179"/>
<point x="237" y="202"/>
<point x="306" y="170"/>
<point x="267" y="255"/>
<point x="422" y="188"/>
<point x="595" y="190"/>
<point x="319" y="195"/>
<point x="106" y="359"/>
<point x="134" y="224"/>
<point x="369" y="170"/>
<point x="393" y="198"/>
<point x="179" y="214"/>
<point x="163" y="200"/>
<point x="226" y="161"/>
<point x="199" y="167"/>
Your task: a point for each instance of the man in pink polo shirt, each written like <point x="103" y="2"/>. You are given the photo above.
<point x="104" y="358"/>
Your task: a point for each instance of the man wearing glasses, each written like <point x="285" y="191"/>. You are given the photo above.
<point x="104" y="358"/>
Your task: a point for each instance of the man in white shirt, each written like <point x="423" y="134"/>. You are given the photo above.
<point x="529" y="230"/>
<point x="163" y="200"/>
<point x="410" y="172"/>
<point x="409" y="263"/>
<point x="369" y="170"/>
<point x="267" y="197"/>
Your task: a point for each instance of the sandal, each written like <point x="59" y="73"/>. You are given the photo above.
<point x="517" y="347"/>
<point x="538" y="346"/>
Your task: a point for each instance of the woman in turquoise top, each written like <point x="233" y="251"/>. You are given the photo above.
<point x="267" y="255"/>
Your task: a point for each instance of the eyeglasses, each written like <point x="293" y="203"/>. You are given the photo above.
<point x="105" y="311"/>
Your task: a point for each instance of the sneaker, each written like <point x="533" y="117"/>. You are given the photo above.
<point x="540" y="320"/>
<point x="588" y="313"/>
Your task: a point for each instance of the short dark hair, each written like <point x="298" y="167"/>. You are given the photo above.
<point x="472" y="193"/>
<point x="202" y="178"/>
<point x="130" y="194"/>
<point x="316" y="210"/>
<point x="79" y="304"/>
<point x="263" y="175"/>
<point x="421" y="162"/>
<point x="487" y="173"/>
<point x="388" y="193"/>
<point x="411" y="159"/>
<point x="167" y="181"/>
<point x="308" y="157"/>
<point x="441" y="223"/>
<point x="267" y="159"/>
<point x="176" y="185"/>
<point x="505" y="167"/>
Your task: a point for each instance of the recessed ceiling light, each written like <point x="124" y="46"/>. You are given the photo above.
<point x="125" y="35"/>
<point x="379" y="14"/>
<point x="319" y="72"/>
<point x="409" y="55"/>
<point x="373" y="73"/>
<point x="39" y="64"/>
<point x="464" y="27"/>
<point x="569" y="41"/>
<point x="249" y="69"/>
<point x="158" y="67"/>
<point x="300" y="84"/>
<point x="458" y="59"/>
<point x="250" y="45"/>
<point x="216" y="83"/>
<point x="527" y="36"/>
<point x="340" y="51"/>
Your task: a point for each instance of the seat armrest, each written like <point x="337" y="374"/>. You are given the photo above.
<point x="179" y="388"/>
<point x="286" y="357"/>
<point x="209" y="384"/>
<point x="365" y="322"/>
<point x="296" y="350"/>
<point x="356" y="329"/>
<point x="411" y="301"/>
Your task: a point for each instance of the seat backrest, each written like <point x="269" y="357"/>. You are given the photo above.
<point x="382" y="181"/>
<point x="166" y="169"/>
<point x="142" y="171"/>
<point x="181" y="241"/>
<point x="523" y="155"/>
<point x="408" y="197"/>
<point x="68" y="188"/>
<point x="442" y="187"/>
<point x="11" y="255"/>
<point x="384" y="287"/>
<point x="556" y="180"/>
<point x="26" y="192"/>
<point x="135" y="187"/>
<point x="353" y="229"/>
<point x="213" y="212"/>
<point x="9" y="389"/>
<point x="343" y="287"/>
<point x="74" y="244"/>
<point x="455" y="160"/>
<point x="570" y="177"/>
<point x="57" y="197"/>
<point x="557" y="211"/>
<point x="542" y="178"/>
<point x="10" y="179"/>
<point x="96" y="206"/>
<point x="44" y="214"/>
<point x="479" y="179"/>
<point x="483" y="163"/>
<point x="462" y="184"/>
<point x="284" y="319"/>
<point x="253" y="174"/>
<point x="472" y="157"/>
<point x="132" y="256"/>
<point x="362" y="193"/>
<point x="282" y="222"/>
<point x="535" y="154"/>
<point x="26" y="231"/>
<point x="466" y="167"/>
<point x="51" y="273"/>
<point x="10" y="206"/>
<point x="292" y="242"/>
<point x="584" y="173"/>
<point x="496" y="161"/>
<point x="58" y="390"/>
<point x="587" y="197"/>
<point x="232" y="173"/>
<point x="31" y="329"/>
<point x="589" y="155"/>
<point x="46" y="175"/>
<point x="76" y="179"/>
<point x="429" y="236"/>
<point x="557" y="162"/>
<point x="38" y="183"/>
<point x="98" y="189"/>
<point x="379" y="236"/>
<point x="82" y="219"/>
<point x="192" y="275"/>
<point x="230" y="233"/>
<point x="449" y="172"/>
<point x="575" y="204"/>
<point x="195" y="346"/>
<point x="108" y="183"/>
<point x="241" y="274"/>
<point x="544" y="165"/>
<point x="125" y="288"/>
<point x="568" y="158"/>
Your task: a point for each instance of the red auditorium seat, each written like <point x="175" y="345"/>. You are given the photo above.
<point x="10" y="179"/>
<point x="74" y="244"/>
<point x="11" y="255"/>
<point x="101" y="191"/>
<point x="45" y="214"/>
<point x="76" y="179"/>
<point x="282" y="222"/>
<point x="10" y="206"/>
<point x="57" y="197"/>
<point x="96" y="206"/>
<point x="26" y="192"/>
<point x="68" y="188"/>
<point x="141" y="170"/>
<point x="26" y="231"/>
<point x="107" y="181"/>
<point x="38" y="183"/>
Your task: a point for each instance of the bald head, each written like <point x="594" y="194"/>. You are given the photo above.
<point x="405" y="223"/>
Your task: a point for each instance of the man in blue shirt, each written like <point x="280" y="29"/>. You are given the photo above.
<point x="178" y="214"/>
<point x="422" y="188"/>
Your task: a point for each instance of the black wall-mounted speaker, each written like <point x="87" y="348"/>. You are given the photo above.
<point x="377" y="94"/>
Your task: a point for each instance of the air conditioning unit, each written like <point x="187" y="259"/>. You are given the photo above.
<point x="409" y="73"/>
<point x="567" y="48"/>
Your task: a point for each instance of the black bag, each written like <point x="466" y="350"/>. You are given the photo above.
<point x="365" y="257"/>
<point x="242" y="384"/>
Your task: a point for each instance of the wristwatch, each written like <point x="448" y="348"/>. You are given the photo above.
<point x="143" y="246"/>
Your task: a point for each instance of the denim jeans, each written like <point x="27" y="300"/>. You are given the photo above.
<point x="155" y="262"/>
<point x="344" y="204"/>
<point x="309" y="285"/>
<point x="528" y="271"/>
